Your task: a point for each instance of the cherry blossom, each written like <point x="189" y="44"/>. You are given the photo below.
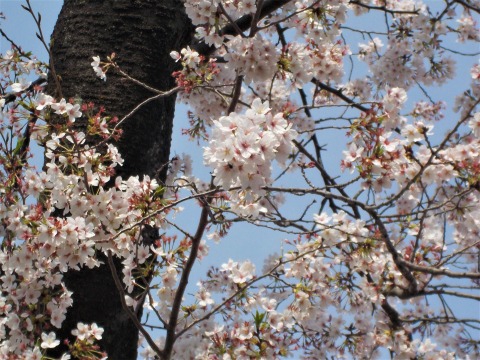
<point x="327" y="135"/>
<point x="49" y="341"/>
<point x="97" y="68"/>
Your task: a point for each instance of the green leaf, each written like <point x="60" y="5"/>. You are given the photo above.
<point x="258" y="318"/>
<point x="16" y="151"/>
<point x="159" y="192"/>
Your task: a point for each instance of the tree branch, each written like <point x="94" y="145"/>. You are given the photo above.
<point x="468" y="6"/>
<point x="383" y="8"/>
<point x="177" y="302"/>
<point x="339" y="93"/>
<point x="243" y="24"/>
<point x="125" y="307"/>
<point x="441" y="272"/>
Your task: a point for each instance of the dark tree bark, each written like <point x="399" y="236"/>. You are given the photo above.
<point x="141" y="33"/>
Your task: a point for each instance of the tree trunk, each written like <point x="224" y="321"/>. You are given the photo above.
<point x="141" y="33"/>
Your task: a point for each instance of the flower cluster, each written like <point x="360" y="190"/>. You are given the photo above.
<point x="242" y="149"/>
<point x="195" y="70"/>
<point x="256" y="57"/>
<point x="38" y="246"/>
<point x="383" y="242"/>
<point x="208" y="18"/>
<point x="413" y="44"/>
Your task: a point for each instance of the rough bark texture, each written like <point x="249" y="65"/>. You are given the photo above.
<point x="141" y="33"/>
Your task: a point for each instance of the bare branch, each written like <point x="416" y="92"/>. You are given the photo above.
<point x="127" y="309"/>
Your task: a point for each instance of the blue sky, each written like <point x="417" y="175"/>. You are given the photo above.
<point x="244" y="242"/>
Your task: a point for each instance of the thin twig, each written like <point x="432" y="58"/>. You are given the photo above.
<point x="129" y="312"/>
<point x="177" y="302"/>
